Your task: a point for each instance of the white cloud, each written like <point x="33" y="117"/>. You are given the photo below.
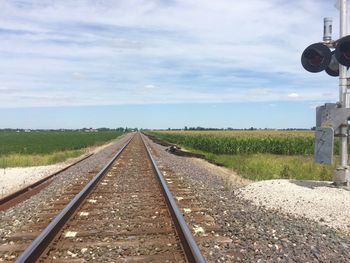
<point x="293" y="95"/>
<point x="78" y="76"/>
<point x="200" y="50"/>
<point x="260" y="92"/>
<point x="150" y="87"/>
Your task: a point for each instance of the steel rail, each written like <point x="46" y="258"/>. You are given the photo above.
<point x="26" y="192"/>
<point x="190" y="247"/>
<point x="40" y="243"/>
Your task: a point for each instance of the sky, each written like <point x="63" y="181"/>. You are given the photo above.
<point x="161" y="63"/>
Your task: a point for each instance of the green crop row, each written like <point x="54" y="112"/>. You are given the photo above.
<point x="281" y="145"/>
<point x="46" y="142"/>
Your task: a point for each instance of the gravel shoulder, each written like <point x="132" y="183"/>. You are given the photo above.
<point x="258" y="234"/>
<point x="315" y="200"/>
<point x="15" y="178"/>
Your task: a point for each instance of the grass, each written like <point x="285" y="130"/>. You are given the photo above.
<point x="22" y="149"/>
<point x="259" y="167"/>
<point x="256" y="157"/>
<point x="25" y="160"/>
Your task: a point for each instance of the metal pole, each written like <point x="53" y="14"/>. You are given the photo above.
<point x="342" y="69"/>
<point x="341" y="174"/>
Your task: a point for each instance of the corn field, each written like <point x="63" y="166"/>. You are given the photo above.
<point x="243" y="142"/>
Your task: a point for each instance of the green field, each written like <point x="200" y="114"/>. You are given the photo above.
<point x="47" y="147"/>
<point x="256" y="155"/>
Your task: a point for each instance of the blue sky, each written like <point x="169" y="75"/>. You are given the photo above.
<point x="160" y="63"/>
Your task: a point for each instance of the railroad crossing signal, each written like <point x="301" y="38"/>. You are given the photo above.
<point x="318" y="57"/>
<point x="332" y="118"/>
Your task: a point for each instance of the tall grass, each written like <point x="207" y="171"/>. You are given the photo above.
<point x="25" y="160"/>
<point x="268" y="166"/>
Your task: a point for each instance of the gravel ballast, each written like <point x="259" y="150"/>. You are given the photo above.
<point x="258" y="234"/>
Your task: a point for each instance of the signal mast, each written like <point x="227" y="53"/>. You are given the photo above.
<point x="333" y="56"/>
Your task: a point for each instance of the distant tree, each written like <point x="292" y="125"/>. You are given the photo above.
<point x="103" y="129"/>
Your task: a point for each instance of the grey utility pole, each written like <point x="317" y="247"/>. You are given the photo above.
<point x="341" y="174"/>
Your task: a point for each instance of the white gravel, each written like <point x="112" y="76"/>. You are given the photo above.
<point x="319" y="201"/>
<point x="16" y="178"/>
<point x="13" y="179"/>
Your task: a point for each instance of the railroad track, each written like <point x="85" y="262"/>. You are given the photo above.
<point x="125" y="213"/>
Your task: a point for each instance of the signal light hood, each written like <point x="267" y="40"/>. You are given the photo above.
<point x="316" y="57"/>
<point x="342" y="51"/>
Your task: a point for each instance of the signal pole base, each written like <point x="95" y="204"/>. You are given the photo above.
<point x="341" y="176"/>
